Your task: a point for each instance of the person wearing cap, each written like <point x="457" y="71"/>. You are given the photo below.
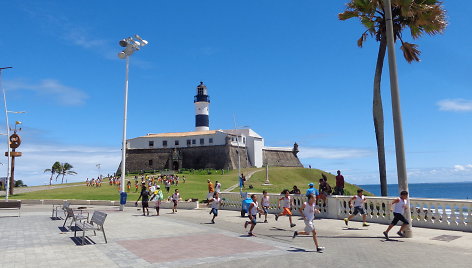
<point x="312" y="190"/>
<point x="157" y="196"/>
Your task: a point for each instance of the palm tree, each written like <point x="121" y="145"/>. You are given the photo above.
<point x="67" y="170"/>
<point x="421" y="17"/>
<point x="56" y="167"/>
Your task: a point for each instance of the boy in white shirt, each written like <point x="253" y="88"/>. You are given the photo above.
<point x="287" y="204"/>
<point x="175" y="199"/>
<point x="215" y="205"/>
<point x="399" y="206"/>
<point x="359" y="201"/>
<point x="253" y="210"/>
<point x="265" y="203"/>
<point x="308" y="210"/>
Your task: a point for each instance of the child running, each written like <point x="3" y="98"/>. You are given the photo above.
<point x="215" y="205"/>
<point x="265" y="203"/>
<point x="308" y="210"/>
<point x="399" y="207"/>
<point x="359" y="201"/>
<point x="157" y="196"/>
<point x="175" y="199"/>
<point x="287" y="204"/>
<point x="253" y="210"/>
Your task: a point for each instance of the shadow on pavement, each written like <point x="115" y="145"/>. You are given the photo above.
<point x="293" y="249"/>
<point x="78" y="241"/>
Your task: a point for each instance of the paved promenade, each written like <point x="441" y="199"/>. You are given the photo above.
<point x="186" y="239"/>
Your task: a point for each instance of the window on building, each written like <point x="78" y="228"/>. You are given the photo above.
<point x="202" y="141"/>
<point x="164" y="143"/>
<point x="210" y="140"/>
<point x="189" y="142"/>
<point x="194" y="141"/>
<point x="244" y="140"/>
<point x="150" y="162"/>
<point x="200" y="91"/>
<point x="176" y="142"/>
<point x="151" y="143"/>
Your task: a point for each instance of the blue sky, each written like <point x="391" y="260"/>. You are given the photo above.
<point x="288" y="69"/>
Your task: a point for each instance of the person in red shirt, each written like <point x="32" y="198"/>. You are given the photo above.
<point x="339" y="184"/>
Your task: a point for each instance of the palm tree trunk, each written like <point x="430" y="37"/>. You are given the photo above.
<point x="378" y="117"/>
<point x="50" y="179"/>
<point x="62" y="181"/>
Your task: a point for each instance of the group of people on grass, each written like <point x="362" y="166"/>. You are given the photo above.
<point x="94" y="182"/>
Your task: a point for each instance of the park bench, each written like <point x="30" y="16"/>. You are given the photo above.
<point x="57" y="208"/>
<point x="10" y="205"/>
<point x="75" y="217"/>
<point x="95" y="224"/>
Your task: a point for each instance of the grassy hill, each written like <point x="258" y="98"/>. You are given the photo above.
<point x="285" y="178"/>
<point x="196" y="185"/>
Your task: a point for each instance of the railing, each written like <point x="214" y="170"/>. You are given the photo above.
<point x="445" y="214"/>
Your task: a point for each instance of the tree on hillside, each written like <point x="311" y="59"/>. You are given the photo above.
<point x="420" y="17"/>
<point x="55" y="169"/>
<point x="67" y="170"/>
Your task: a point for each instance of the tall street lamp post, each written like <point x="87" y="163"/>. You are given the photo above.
<point x="130" y="46"/>
<point x="397" y="118"/>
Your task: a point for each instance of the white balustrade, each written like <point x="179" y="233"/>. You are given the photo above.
<point x="445" y="214"/>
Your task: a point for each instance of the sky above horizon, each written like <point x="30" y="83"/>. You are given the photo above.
<point x="288" y="69"/>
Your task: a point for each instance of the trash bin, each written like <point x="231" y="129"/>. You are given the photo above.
<point x="123" y="196"/>
<point x="245" y="206"/>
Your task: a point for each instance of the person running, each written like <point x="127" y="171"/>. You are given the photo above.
<point x="145" y="199"/>
<point x="215" y="205"/>
<point x="136" y="186"/>
<point x="359" y="201"/>
<point x="253" y="210"/>
<point x="286" y="205"/>
<point x="399" y="206"/>
<point x="308" y="210"/>
<point x="265" y="203"/>
<point x="158" y="196"/>
<point x="128" y="186"/>
<point x="175" y="200"/>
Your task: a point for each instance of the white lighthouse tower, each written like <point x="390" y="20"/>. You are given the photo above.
<point x="202" y="103"/>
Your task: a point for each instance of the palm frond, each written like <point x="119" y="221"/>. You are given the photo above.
<point x="410" y="52"/>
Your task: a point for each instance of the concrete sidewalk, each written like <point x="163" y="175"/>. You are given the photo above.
<point x="186" y="239"/>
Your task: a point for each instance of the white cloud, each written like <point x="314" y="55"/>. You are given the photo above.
<point x="455" y="105"/>
<point x="459" y="168"/>
<point x="38" y="157"/>
<point x="63" y="94"/>
<point x="333" y="153"/>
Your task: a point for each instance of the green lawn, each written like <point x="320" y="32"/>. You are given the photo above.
<point x="196" y="185"/>
<point x="285" y="178"/>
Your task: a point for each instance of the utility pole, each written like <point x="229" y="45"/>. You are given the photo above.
<point x="396" y="111"/>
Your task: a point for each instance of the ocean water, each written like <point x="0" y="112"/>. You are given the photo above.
<point x="452" y="190"/>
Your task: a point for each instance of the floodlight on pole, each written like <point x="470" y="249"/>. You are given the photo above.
<point x="130" y="46"/>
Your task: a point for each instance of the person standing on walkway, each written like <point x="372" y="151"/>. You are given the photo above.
<point x="211" y="189"/>
<point x="359" y="201"/>
<point x="253" y="210"/>
<point x="145" y="199"/>
<point x="175" y="200"/>
<point x="287" y="203"/>
<point x="265" y="203"/>
<point x="167" y="185"/>
<point x="308" y="210"/>
<point x="158" y="196"/>
<point x="339" y="189"/>
<point x="215" y="205"/>
<point x="399" y="206"/>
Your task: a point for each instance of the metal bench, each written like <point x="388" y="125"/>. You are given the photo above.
<point x="10" y="205"/>
<point x="95" y="224"/>
<point x="75" y="217"/>
<point x="63" y="207"/>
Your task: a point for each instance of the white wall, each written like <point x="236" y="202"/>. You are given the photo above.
<point x="219" y="138"/>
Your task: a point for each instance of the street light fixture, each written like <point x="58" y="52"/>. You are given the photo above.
<point x="8" y="132"/>
<point x="130" y="46"/>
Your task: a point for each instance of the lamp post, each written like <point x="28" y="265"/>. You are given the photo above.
<point x="130" y="46"/>
<point x="397" y="117"/>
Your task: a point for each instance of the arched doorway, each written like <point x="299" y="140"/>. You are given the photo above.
<point x="175" y="165"/>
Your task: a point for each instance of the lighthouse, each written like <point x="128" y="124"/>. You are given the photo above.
<point x="202" y="103"/>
